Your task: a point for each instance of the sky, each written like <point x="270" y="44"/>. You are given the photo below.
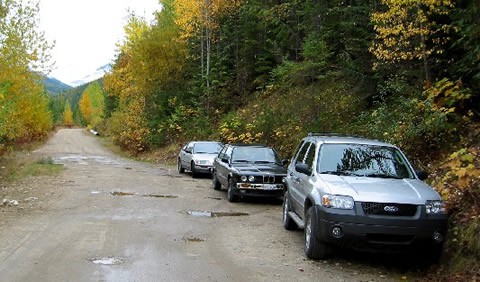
<point x="85" y="33"/>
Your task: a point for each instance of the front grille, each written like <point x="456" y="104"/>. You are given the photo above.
<point x="389" y="209"/>
<point x="269" y="179"/>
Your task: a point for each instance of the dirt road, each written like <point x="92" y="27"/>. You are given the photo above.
<point x="106" y="218"/>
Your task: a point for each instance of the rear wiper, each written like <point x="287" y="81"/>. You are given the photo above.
<point x="340" y="172"/>
<point x="383" y="175"/>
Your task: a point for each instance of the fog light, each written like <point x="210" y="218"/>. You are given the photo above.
<point x="337" y="232"/>
<point x="438" y="237"/>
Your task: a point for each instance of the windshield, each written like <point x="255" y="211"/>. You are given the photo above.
<point x="207" y="148"/>
<point x="254" y="154"/>
<point x="363" y="160"/>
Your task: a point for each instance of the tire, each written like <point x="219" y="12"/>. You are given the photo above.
<point x="179" y="166"/>
<point x="215" y="183"/>
<point x="314" y="247"/>
<point x="193" y="170"/>
<point x="435" y="253"/>
<point x="231" y="192"/>
<point x="288" y="222"/>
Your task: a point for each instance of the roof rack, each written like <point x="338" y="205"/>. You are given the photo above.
<point x="332" y="134"/>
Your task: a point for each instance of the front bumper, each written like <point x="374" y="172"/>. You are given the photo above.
<point x="259" y="189"/>
<point x="383" y="233"/>
<point x="203" y="168"/>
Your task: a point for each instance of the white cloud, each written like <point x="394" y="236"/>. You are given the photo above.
<point x="85" y="32"/>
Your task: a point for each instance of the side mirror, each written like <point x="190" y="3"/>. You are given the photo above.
<point x="303" y="168"/>
<point x="421" y="174"/>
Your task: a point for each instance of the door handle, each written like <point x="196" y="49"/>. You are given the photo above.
<point x="296" y="180"/>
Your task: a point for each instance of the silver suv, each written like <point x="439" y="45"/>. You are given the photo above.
<point x="362" y="194"/>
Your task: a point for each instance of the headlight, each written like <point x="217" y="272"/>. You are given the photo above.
<point x="250" y="178"/>
<point x="337" y="202"/>
<point x="434" y="207"/>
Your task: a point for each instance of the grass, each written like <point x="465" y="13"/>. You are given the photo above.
<point x="14" y="169"/>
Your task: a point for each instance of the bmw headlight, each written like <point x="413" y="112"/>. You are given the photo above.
<point x="337" y="202"/>
<point x="434" y="207"/>
<point x="244" y="178"/>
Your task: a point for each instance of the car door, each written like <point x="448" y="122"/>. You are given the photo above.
<point x="222" y="165"/>
<point x="305" y="178"/>
<point x="294" y="177"/>
<point x="186" y="157"/>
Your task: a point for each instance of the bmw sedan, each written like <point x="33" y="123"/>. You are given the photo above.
<point x="249" y="171"/>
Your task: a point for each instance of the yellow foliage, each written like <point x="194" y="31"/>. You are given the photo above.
<point x="402" y="23"/>
<point x="193" y="15"/>
<point x="462" y="173"/>
<point x="68" y="116"/>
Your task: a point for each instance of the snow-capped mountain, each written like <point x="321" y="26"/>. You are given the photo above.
<point x="100" y="72"/>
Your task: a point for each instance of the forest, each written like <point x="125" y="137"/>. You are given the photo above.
<point x="263" y="71"/>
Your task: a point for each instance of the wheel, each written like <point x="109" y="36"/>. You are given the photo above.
<point x="314" y="247"/>
<point x="179" y="166"/>
<point x="288" y="222"/>
<point x="192" y="169"/>
<point x="435" y="253"/>
<point x="215" y="183"/>
<point x="231" y="191"/>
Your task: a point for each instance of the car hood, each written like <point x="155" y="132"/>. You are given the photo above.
<point x="251" y="168"/>
<point x="382" y="190"/>
<point x="208" y="157"/>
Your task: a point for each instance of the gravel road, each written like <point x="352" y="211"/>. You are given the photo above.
<point x="107" y="218"/>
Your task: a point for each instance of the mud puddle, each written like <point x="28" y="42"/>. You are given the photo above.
<point x="108" y="261"/>
<point x="120" y="193"/>
<point x="215" y="214"/>
<point x="193" y="239"/>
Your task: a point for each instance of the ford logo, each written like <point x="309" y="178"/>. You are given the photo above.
<point x="390" y="209"/>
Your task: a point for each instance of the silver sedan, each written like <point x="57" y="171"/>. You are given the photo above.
<point x="198" y="156"/>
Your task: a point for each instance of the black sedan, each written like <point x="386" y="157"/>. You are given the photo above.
<point x="249" y="170"/>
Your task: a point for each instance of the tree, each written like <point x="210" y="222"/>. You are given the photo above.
<point x="68" y="116"/>
<point x="24" y="53"/>
<point x="406" y="30"/>
<point x="92" y="104"/>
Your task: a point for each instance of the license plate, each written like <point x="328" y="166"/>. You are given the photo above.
<point x="270" y="187"/>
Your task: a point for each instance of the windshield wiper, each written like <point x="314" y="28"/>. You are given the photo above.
<point x="383" y="175"/>
<point x="241" y="161"/>
<point x="264" y="162"/>
<point x="340" y="172"/>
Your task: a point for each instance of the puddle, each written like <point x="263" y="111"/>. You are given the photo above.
<point x="85" y="159"/>
<point x="214" y="198"/>
<point x="108" y="261"/>
<point x="215" y="214"/>
<point x="120" y="193"/>
<point x="194" y="239"/>
<point x="117" y="193"/>
<point x="159" y="196"/>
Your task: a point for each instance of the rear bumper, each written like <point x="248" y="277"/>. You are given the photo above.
<point x="382" y="233"/>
